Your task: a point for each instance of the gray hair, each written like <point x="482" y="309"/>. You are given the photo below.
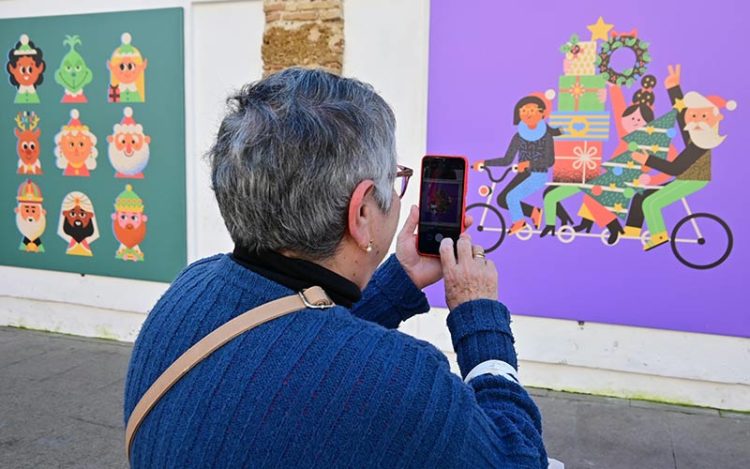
<point x="289" y="154"/>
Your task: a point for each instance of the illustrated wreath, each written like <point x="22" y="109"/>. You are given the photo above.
<point x="628" y="76"/>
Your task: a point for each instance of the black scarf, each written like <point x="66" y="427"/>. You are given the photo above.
<point x="298" y="274"/>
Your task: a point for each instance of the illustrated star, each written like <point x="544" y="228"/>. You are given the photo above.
<point x="636" y="182"/>
<point x="631" y="164"/>
<point x="612" y="185"/>
<point x="599" y="29"/>
<point x="618" y="207"/>
<point x="649" y="130"/>
<point x="679" y="104"/>
<point x="655" y="148"/>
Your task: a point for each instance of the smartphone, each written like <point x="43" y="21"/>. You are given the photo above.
<point x="442" y="201"/>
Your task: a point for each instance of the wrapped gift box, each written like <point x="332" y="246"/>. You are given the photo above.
<point x="577" y="161"/>
<point x="580" y="59"/>
<point x="580" y="93"/>
<point x="581" y="125"/>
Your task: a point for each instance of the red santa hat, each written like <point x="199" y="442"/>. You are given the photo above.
<point x="127" y="116"/>
<point x="547" y="98"/>
<point x="721" y="103"/>
<point x="75" y="119"/>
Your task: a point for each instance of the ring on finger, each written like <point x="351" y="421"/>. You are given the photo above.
<point x="478" y="252"/>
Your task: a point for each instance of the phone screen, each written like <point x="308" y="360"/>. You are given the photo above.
<point x="441" y="204"/>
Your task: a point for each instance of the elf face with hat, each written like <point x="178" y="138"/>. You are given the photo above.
<point x="127" y="69"/>
<point x="129" y="225"/>
<point x="128" y="147"/>
<point x="75" y="147"/>
<point x="26" y="67"/>
<point x="31" y="218"/>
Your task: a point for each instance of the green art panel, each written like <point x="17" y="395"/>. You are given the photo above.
<point x="92" y="144"/>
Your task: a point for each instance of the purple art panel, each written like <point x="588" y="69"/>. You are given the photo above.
<point x="578" y="91"/>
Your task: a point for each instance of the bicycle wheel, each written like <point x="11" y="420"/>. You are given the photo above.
<point x="488" y="229"/>
<point x="703" y="244"/>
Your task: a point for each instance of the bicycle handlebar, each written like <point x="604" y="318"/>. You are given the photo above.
<point x="501" y="178"/>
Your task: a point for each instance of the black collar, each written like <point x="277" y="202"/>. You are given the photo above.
<point x="298" y="274"/>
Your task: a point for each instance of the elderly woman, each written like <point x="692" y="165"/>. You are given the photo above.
<point x="303" y="169"/>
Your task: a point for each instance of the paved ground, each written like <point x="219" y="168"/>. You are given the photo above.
<point x="60" y="406"/>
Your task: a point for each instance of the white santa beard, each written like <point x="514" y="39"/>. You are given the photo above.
<point x="705" y="138"/>
<point x="31" y="229"/>
<point x="128" y="165"/>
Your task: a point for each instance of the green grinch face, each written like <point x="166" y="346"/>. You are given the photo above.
<point x="73" y="73"/>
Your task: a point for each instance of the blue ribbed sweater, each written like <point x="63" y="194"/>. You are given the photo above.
<point x="327" y="388"/>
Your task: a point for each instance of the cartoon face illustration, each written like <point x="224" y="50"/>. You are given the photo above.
<point x="703" y="117"/>
<point x="127" y="69"/>
<point x="73" y="73"/>
<point x="128" y="147"/>
<point x="26" y="68"/>
<point x="530" y="110"/>
<point x="75" y="147"/>
<point x="27" y="146"/>
<point x="77" y="224"/>
<point x="31" y="217"/>
<point x="129" y="225"/>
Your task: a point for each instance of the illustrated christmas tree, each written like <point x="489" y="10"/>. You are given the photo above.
<point x="617" y="185"/>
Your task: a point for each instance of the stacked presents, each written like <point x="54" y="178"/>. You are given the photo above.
<point x="580" y="114"/>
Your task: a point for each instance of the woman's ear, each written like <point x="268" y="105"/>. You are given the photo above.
<point x="359" y="223"/>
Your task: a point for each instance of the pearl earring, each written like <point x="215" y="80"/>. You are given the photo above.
<point x="369" y="247"/>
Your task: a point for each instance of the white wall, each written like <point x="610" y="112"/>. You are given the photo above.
<point x="386" y="45"/>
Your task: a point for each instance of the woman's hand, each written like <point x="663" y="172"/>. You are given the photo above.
<point x="673" y="78"/>
<point x="471" y="277"/>
<point x="422" y="270"/>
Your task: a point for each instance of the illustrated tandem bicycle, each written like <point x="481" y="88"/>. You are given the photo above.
<point x="698" y="240"/>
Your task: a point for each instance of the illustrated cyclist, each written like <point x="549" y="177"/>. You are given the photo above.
<point x="536" y="155"/>
<point x="698" y="118"/>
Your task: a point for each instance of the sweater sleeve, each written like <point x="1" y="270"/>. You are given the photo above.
<point x="510" y="153"/>
<point x="680" y="164"/>
<point x="428" y="417"/>
<point x="390" y="297"/>
<point x="618" y="108"/>
<point x="675" y="93"/>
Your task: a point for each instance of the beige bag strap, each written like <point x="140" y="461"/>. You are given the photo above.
<point x="313" y="297"/>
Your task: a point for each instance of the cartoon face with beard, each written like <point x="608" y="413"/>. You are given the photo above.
<point x="129" y="225"/>
<point x="31" y="218"/>
<point x="78" y="224"/>
<point x="128" y="147"/>
<point x="703" y="126"/>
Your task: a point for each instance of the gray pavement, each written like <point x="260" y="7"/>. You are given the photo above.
<point x="61" y="406"/>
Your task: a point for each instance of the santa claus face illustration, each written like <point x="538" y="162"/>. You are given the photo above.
<point x="128" y="147"/>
